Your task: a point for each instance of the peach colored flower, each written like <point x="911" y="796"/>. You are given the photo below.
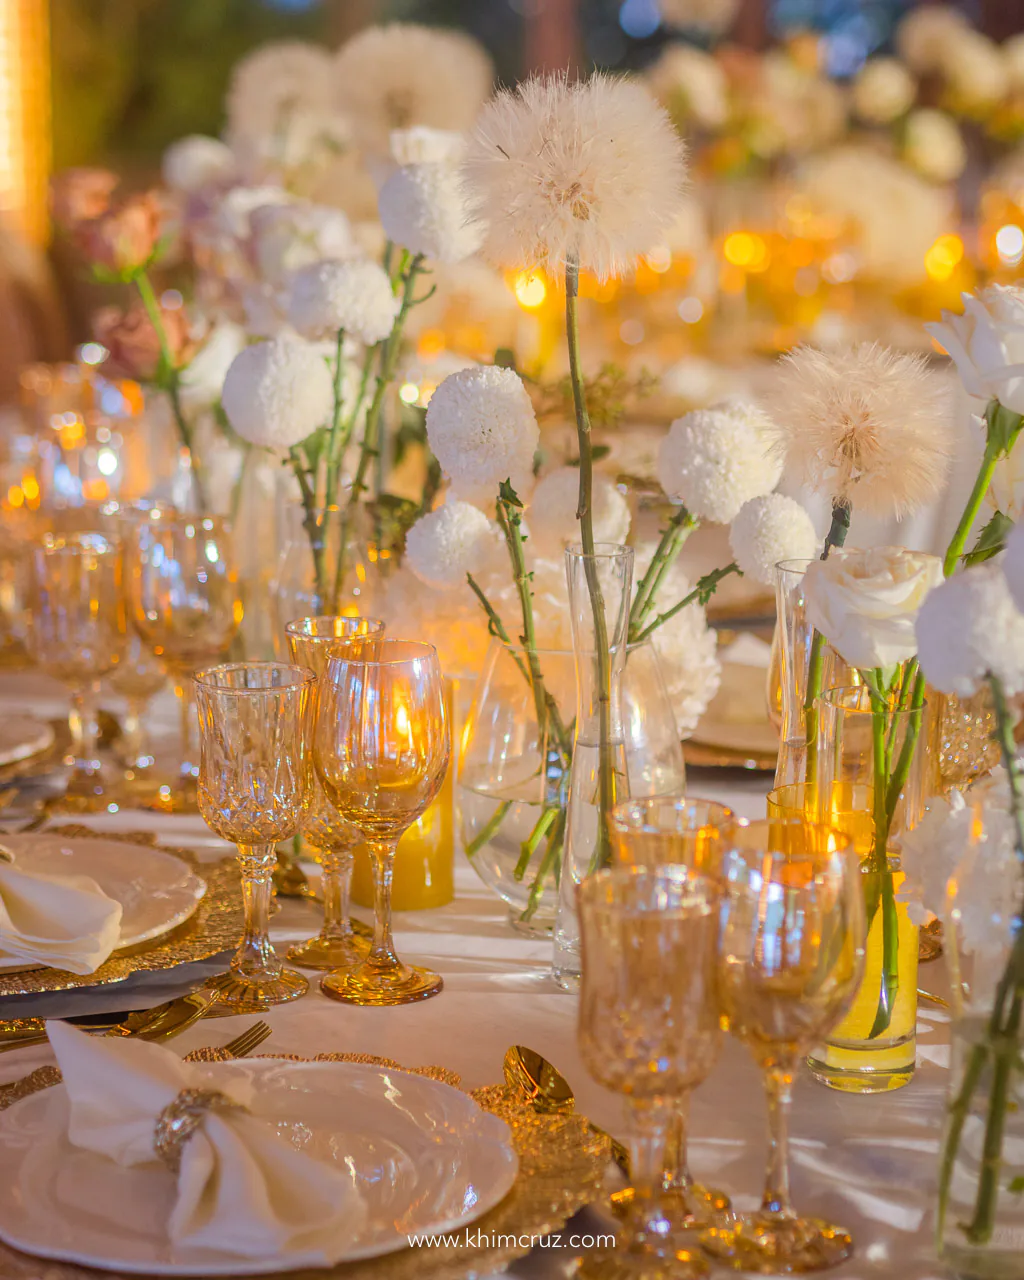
<point x="124" y="237"/>
<point x="132" y="342"/>
<point x="79" y="194"/>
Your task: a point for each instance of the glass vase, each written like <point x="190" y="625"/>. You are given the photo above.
<point x="980" y="1219"/>
<point x="606" y="768"/>
<point x="787" y="672"/>
<point x="321" y="569"/>
<point x="871" y="771"/>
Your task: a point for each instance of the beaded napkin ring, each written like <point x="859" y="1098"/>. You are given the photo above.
<point x="181" y="1118"/>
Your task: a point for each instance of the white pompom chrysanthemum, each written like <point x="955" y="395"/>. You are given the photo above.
<point x="769" y="529"/>
<point x="355" y="296"/>
<point x="589" y="171"/>
<point x="197" y="162"/>
<point x="1013" y="565"/>
<point x="277" y="392"/>
<point x="401" y="74"/>
<point x="929" y="855"/>
<point x="293" y="234"/>
<point x="481" y="426"/>
<point x="451" y="542"/>
<point x="714" y="460"/>
<point x="423" y="209"/>
<point x="969" y="626"/>
<point x="552" y="519"/>
<point x="687" y="652"/>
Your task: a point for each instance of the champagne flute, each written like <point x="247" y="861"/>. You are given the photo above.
<point x="654" y="832"/>
<point x="186" y="605"/>
<point x="381" y="749"/>
<point x="77" y="634"/>
<point x="649" y="1029"/>
<point x="311" y="641"/>
<point x="255" y="781"/>
<point x="791" y="956"/>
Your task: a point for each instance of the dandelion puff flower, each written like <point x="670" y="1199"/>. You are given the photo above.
<point x="277" y="392"/>
<point x="401" y="75"/>
<point x="481" y="426"/>
<point x="445" y="545"/>
<point x="275" y="81"/>
<point x="769" y="529"/>
<point x="559" y="171"/>
<point x="355" y="296"/>
<point x="865" y="424"/>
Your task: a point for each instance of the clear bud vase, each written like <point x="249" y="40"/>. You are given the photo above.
<point x="600" y="586"/>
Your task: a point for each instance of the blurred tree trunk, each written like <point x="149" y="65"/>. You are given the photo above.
<point x="553" y="36"/>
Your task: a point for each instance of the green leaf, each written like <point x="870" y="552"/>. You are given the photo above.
<point x="505" y="358"/>
<point x="707" y="585"/>
<point x="508" y="495"/>
<point x="990" y="541"/>
<point x="1016" y="1185"/>
<point x="1003" y="426"/>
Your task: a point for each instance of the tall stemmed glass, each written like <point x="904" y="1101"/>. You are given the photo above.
<point x="650" y="833"/>
<point x="185" y="604"/>
<point x="255" y="781"/>
<point x="649" y="1029"/>
<point x="311" y="641"/>
<point x="791" y="956"/>
<point x="381" y="749"/>
<point x="77" y="634"/>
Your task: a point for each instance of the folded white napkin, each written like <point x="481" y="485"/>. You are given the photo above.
<point x="242" y="1189"/>
<point x="64" y="921"/>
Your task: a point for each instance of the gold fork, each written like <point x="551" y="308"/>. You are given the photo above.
<point x="251" y="1038"/>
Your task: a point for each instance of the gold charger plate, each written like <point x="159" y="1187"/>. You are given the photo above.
<point x="562" y="1164"/>
<point x="215" y="926"/>
<point x="701" y="755"/>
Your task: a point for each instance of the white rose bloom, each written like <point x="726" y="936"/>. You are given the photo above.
<point x="933" y="145"/>
<point x="1013" y="564"/>
<point x="202" y="382"/>
<point x="197" y="162"/>
<point x="423" y="209"/>
<point x="769" y="529"/>
<point x="355" y="296"/>
<point x="276" y="393"/>
<point x="883" y="90"/>
<point x="445" y="545"/>
<point x="969" y="626"/>
<point x="865" y="602"/>
<point x="987" y="344"/>
<point x="481" y="426"/>
<point x="552" y="518"/>
<point x="714" y="460"/>
<point x="422" y="145"/>
<point x="288" y="236"/>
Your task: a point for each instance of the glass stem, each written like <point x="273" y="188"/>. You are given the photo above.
<point x="382" y="955"/>
<point x="135" y="747"/>
<point x="677" y="1170"/>
<point x="649" y="1124"/>
<point x="185" y="693"/>
<point x="778" y="1086"/>
<point x="255" y="958"/>
<point x="336" y="879"/>
<point x="85" y="730"/>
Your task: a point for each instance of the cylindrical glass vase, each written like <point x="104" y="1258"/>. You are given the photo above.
<point x="321" y="569"/>
<point x="871" y="757"/>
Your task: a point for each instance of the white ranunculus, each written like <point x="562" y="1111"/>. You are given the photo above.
<point x="865" y="602"/>
<point x="987" y="344"/>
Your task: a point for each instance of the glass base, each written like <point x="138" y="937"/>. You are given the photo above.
<point x="329" y="953"/>
<point x="768" y="1243"/>
<point x="630" y="1264"/>
<point x="696" y="1207"/>
<point x="240" y="995"/>
<point x="538" y="926"/>
<point x="369" y="984"/>
<point x="852" y="1068"/>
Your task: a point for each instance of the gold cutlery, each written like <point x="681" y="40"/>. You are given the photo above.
<point x="251" y="1038"/>
<point x="547" y="1091"/>
<point x="929" y="998"/>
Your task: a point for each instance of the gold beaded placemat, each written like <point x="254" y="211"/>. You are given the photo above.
<point x="215" y="926"/>
<point x="562" y="1164"/>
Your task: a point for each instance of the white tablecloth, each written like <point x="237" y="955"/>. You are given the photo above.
<point x="868" y="1163"/>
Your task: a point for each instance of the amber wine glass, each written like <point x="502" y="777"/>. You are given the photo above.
<point x="791" y="956"/>
<point x="185" y="604"/>
<point x="255" y="781"/>
<point x="661" y="831"/>
<point x="649" y="1028"/>
<point x="381" y="749"/>
<point x="77" y="634"/>
<point x="311" y="641"/>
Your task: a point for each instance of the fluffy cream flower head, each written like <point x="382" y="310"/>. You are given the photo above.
<point x="277" y="392"/>
<point x="273" y="82"/>
<point x="714" y="460"/>
<point x="196" y="162"/>
<point x="769" y="529"/>
<point x="422" y="207"/>
<point x="929" y="34"/>
<point x="883" y="90"/>
<point x="932" y="143"/>
<point x="864" y="424"/>
<point x="968" y="626"/>
<point x="400" y="75"/>
<point x="445" y="545"/>
<point x="552" y="517"/>
<point x="562" y="171"/>
<point x="1013" y="564"/>
<point x="355" y="296"/>
<point x="481" y="426"/>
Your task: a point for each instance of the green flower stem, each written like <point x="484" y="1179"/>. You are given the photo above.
<point x="665" y="555"/>
<point x="170" y="380"/>
<point x="334" y="441"/>
<point x="489" y="829"/>
<point x="529" y="846"/>
<point x="550" y="864"/>
<point x="984" y="478"/>
<point x="836" y="537"/>
<point x="584" y="513"/>
<point x="702" y="592"/>
<point x="898" y="776"/>
<point x="315" y="535"/>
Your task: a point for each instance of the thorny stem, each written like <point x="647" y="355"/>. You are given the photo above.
<point x="334" y="449"/>
<point x="667" y="551"/>
<point x="703" y="589"/>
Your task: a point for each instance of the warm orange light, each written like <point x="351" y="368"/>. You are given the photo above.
<point x="30" y="488"/>
<point x="25" y="115"/>
<point x="530" y="290"/>
<point x="431" y="344"/>
<point x="942" y="258"/>
<point x="745" y="249"/>
<point x="15" y="497"/>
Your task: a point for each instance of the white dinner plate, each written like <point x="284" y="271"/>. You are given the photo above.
<point x="23" y="736"/>
<point x="423" y="1155"/>
<point x="156" y="890"/>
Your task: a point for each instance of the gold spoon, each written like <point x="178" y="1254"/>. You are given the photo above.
<point x="547" y="1091"/>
